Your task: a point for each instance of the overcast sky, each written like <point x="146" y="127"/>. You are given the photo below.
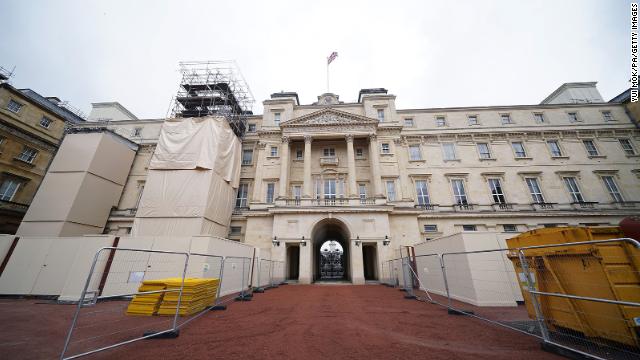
<point x="427" y="53"/>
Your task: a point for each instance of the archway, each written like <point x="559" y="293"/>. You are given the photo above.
<point x="330" y="239"/>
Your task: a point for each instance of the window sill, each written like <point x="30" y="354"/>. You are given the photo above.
<point x="488" y="159"/>
<point x="632" y="156"/>
<point x="451" y="160"/>
<point x="597" y="156"/>
<point x="559" y="157"/>
<point x="298" y="160"/>
<point x="247" y="164"/>
<point x="418" y="161"/>
<point x="524" y="158"/>
<point x="361" y="158"/>
<point x="273" y="157"/>
<point x="24" y="162"/>
<point x="386" y="154"/>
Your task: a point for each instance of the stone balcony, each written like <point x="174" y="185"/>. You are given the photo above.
<point x="329" y="161"/>
<point x="13" y="207"/>
<point x="325" y="202"/>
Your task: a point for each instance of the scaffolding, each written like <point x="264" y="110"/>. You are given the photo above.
<point x="213" y="88"/>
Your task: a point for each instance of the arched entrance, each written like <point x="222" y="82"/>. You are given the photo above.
<point x="330" y="239"/>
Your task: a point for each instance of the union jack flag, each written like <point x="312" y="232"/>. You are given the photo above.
<point x="332" y="57"/>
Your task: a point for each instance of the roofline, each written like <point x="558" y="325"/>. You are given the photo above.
<point x="622" y="97"/>
<point x="33" y="101"/>
<point x="506" y="107"/>
<point x="566" y="85"/>
<point x="119" y="106"/>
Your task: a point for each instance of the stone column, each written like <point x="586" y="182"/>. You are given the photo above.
<point x="402" y="153"/>
<point x="374" y="157"/>
<point x="307" y="186"/>
<point x="351" y="164"/>
<point x="257" y="181"/>
<point x="284" y="167"/>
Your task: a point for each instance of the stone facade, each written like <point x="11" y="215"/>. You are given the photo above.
<point x="377" y="178"/>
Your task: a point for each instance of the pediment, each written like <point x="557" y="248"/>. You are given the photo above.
<point x="330" y="117"/>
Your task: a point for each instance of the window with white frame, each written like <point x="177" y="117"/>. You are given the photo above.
<point x="14" y="106"/>
<point x="483" y="150"/>
<point x="591" y="148"/>
<point x="430" y="228"/>
<point x="518" y="149"/>
<point x="329" y="152"/>
<point x="241" y="196"/>
<point x="252" y="128"/>
<point x="380" y="115"/>
<point x="271" y="189"/>
<point x="510" y="228"/>
<point x="506" y="119"/>
<point x="45" y="122"/>
<point x="607" y="116"/>
<point x="359" y="153"/>
<point x="449" y="151"/>
<point x="534" y="190"/>
<point x="469" y="228"/>
<point x="276" y="118"/>
<point x="296" y="191"/>
<point x="408" y="122"/>
<point x="414" y="152"/>
<point x="391" y="190"/>
<point x="27" y="155"/>
<point x="571" y="183"/>
<point x="385" y="148"/>
<point x="299" y="154"/>
<point x="459" y="193"/>
<point x="330" y="190"/>
<point x="554" y="148"/>
<point x="573" y="117"/>
<point x="362" y="191"/>
<point x="612" y="188"/>
<point x="473" y="120"/>
<point x="247" y="156"/>
<point x="422" y="192"/>
<point x="273" y="151"/>
<point x="495" y="187"/>
<point x="441" y="121"/>
<point x="627" y="146"/>
<point x="8" y="189"/>
<point x="235" y="230"/>
<point x="538" y="117"/>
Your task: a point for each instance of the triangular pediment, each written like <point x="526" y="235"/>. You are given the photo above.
<point x="331" y="117"/>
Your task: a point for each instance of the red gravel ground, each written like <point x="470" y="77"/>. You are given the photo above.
<point x="291" y="322"/>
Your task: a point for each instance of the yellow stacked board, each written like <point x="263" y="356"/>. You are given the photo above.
<point x="197" y="294"/>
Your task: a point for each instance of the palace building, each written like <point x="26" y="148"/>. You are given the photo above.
<point x="372" y="178"/>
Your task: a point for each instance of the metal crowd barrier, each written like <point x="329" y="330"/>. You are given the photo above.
<point x="543" y="291"/>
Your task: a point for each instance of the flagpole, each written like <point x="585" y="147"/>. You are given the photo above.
<point x="327" y="74"/>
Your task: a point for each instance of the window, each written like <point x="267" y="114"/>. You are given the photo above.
<point x="330" y="189"/>
<point x="440" y="121"/>
<point x="573" y="117"/>
<point x="241" y="197"/>
<point x="591" y="147"/>
<point x="554" y="148"/>
<point x="299" y="154"/>
<point x="510" y="228"/>
<point x="483" y="150"/>
<point x="505" y="118"/>
<point x="422" y="192"/>
<point x="534" y="189"/>
<point x="612" y="187"/>
<point x="385" y="148"/>
<point x="273" y="151"/>
<point x="572" y="187"/>
<point x="359" y="153"/>
<point x="329" y="152"/>
<point x="496" y="191"/>
<point x="459" y="194"/>
<point x="247" y="156"/>
<point x="14" y="106"/>
<point x="606" y="115"/>
<point x="381" y="115"/>
<point x="408" y="122"/>
<point x="469" y="228"/>
<point x="362" y="191"/>
<point x="235" y="230"/>
<point x="252" y="128"/>
<point x="391" y="190"/>
<point x="271" y="188"/>
<point x="627" y="146"/>
<point x="45" y="122"/>
<point x="414" y="153"/>
<point x="518" y="149"/>
<point x="473" y="120"/>
<point x="276" y="118"/>
<point x="296" y="191"/>
<point x="137" y="131"/>
<point x="8" y="189"/>
<point x="28" y="155"/>
<point x="430" y="228"/>
<point x="539" y="118"/>
<point x="449" y="151"/>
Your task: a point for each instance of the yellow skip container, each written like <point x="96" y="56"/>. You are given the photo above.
<point x="605" y="271"/>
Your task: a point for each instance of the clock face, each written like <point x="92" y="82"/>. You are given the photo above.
<point x="327" y="100"/>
